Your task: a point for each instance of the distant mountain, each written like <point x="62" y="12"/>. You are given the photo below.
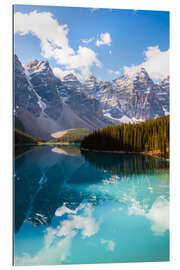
<point x="45" y="104"/>
<point x="163" y="94"/>
<point x="131" y="98"/>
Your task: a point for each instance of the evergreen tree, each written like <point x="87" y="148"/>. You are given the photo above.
<point x="151" y="135"/>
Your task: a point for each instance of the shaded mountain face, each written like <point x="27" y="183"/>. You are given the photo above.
<point x="25" y="96"/>
<point x="44" y="104"/>
<point x="87" y="108"/>
<point x="45" y="84"/>
<point x="131" y="98"/>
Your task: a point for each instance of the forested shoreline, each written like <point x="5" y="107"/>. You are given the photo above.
<point x="149" y="136"/>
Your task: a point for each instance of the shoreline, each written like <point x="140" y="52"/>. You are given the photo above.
<point x="152" y="154"/>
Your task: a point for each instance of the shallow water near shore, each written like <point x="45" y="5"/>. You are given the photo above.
<point x="78" y="208"/>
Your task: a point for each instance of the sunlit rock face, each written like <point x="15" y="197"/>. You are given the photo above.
<point x="45" y="104"/>
<point x="131" y="98"/>
<point x="163" y="94"/>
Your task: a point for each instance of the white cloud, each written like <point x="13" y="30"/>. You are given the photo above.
<point x="156" y="64"/>
<point x="87" y="40"/>
<point x="54" y="41"/>
<point x="48" y="255"/>
<point x="65" y="210"/>
<point x="93" y="9"/>
<point x="158" y="214"/>
<point x="84" y="222"/>
<point x="116" y="72"/>
<point x="110" y="245"/>
<point x="60" y="73"/>
<point x="57" y="241"/>
<point x="105" y="39"/>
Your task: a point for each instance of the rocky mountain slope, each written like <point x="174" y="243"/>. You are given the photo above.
<point x="131" y="98"/>
<point x="45" y="104"/>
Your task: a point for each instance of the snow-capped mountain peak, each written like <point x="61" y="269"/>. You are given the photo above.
<point x="46" y="104"/>
<point x="135" y="97"/>
<point x="36" y="67"/>
<point x="91" y="78"/>
<point x="70" y="77"/>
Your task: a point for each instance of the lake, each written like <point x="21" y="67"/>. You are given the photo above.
<point x="81" y="208"/>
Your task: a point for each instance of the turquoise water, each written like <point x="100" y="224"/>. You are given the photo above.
<point x="73" y="208"/>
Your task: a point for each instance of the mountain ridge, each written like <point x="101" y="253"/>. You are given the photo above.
<point x="135" y="97"/>
<point x="45" y="104"/>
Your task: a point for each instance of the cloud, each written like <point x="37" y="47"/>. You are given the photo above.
<point x="116" y="72"/>
<point x="80" y="218"/>
<point x="60" y="73"/>
<point x="158" y="214"/>
<point x="87" y="40"/>
<point x="109" y="244"/>
<point x="93" y="9"/>
<point x="64" y="210"/>
<point x="156" y="64"/>
<point x="105" y="39"/>
<point x="54" y="254"/>
<point x="84" y="222"/>
<point x="57" y="241"/>
<point x="54" y="41"/>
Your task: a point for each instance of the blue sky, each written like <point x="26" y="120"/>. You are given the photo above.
<point x="133" y="39"/>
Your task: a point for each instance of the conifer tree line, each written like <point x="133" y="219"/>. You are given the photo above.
<point x="151" y="135"/>
<point x="126" y="164"/>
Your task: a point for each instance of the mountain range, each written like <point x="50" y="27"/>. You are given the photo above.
<point x="44" y="104"/>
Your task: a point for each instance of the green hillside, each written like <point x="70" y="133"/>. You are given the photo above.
<point x="21" y="137"/>
<point x="148" y="136"/>
<point x="73" y="136"/>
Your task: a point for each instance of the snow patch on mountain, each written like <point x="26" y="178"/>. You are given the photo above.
<point x="165" y="111"/>
<point x="28" y="77"/>
<point x="40" y="102"/>
<point x="125" y="119"/>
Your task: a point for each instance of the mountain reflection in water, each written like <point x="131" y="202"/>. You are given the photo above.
<point x="78" y="197"/>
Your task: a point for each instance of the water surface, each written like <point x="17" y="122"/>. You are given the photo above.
<point x="73" y="208"/>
